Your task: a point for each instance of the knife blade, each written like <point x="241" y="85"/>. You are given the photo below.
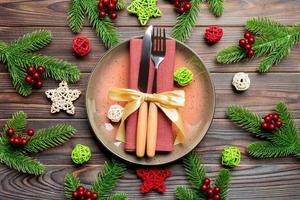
<point x="141" y="133"/>
<point x="145" y="60"/>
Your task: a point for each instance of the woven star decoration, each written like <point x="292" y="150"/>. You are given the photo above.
<point x="144" y="9"/>
<point x="62" y="98"/>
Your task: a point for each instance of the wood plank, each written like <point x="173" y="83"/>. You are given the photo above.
<point x="264" y="93"/>
<point x="54" y="13"/>
<point x="221" y="134"/>
<point x="268" y="182"/>
<point x="62" y="40"/>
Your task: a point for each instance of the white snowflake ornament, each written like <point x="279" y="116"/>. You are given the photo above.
<point x="241" y="81"/>
<point x="62" y="98"/>
<point x="115" y="113"/>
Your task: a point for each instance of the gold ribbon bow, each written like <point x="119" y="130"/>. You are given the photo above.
<point x="168" y="102"/>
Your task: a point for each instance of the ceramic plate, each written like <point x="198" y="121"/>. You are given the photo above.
<point x="112" y="71"/>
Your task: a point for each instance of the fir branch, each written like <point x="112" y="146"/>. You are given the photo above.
<point x="223" y="181"/>
<point x="183" y="193"/>
<point x="17" y="122"/>
<point x="119" y="196"/>
<point x="49" y="138"/>
<point x="108" y="178"/>
<point x="216" y="7"/>
<point x="76" y="15"/>
<point x="71" y="183"/>
<point x="104" y="28"/>
<point x="185" y="22"/>
<point x="265" y="149"/>
<point x="120" y="5"/>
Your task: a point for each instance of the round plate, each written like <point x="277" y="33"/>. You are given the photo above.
<point x="112" y="71"/>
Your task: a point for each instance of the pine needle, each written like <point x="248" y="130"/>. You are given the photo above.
<point x="266" y="149"/>
<point x="76" y="15"/>
<point x="216" y="7"/>
<point x="71" y="184"/>
<point x="17" y="122"/>
<point x="186" y="22"/>
<point x="223" y="180"/>
<point x="119" y="196"/>
<point x="183" y="193"/>
<point x="120" y="5"/>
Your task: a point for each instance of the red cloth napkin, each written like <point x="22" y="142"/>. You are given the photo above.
<point x="165" y="137"/>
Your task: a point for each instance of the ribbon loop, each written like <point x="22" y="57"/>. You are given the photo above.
<point x="168" y="102"/>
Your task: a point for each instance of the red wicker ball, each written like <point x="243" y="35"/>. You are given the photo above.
<point x="213" y="34"/>
<point x="81" y="46"/>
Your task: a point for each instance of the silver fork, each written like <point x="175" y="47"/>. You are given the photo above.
<point x="158" y="52"/>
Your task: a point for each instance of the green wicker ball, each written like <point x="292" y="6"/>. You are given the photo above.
<point x="81" y="154"/>
<point x="183" y="76"/>
<point x="231" y="157"/>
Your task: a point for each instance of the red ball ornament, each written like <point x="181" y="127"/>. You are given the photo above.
<point x="75" y="194"/>
<point x="23" y="141"/>
<point x="264" y="125"/>
<point x="275" y="117"/>
<point x="251" y="40"/>
<point x="41" y="69"/>
<point x="250" y="53"/>
<point x="203" y="187"/>
<point x="267" y="118"/>
<point x="94" y="196"/>
<point x="216" y="197"/>
<point x="210" y="192"/>
<point x="29" y="79"/>
<point x="113" y="15"/>
<point x="36" y="76"/>
<point x="10" y="132"/>
<point x="12" y="140"/>
<point x="217" y="189"/>
<point x="271" y="127"/>
<point x="111" y="6"/>
<point x="81" y="45"/>
<point x="80" y="188"/>
<point x="17" y="140"/>
<point x="81" y="193"/>
<point x="187" y="7"/>
<point x="213" y="34"/>
<point x="30" y="70"/>
<point x="30" y="132"/>
<point x="39" y="84"/>
<point x="247" y="35"/>
<point x="105" y="2"/>
<point x="206" y="181"/>
<point x="88" y="193"/>
<point x="242" y="42"/>
<point x="100" y="5"/>
<point x="279" y="123"/>
<point x="102" y="14"/>
<point x="180" y="9"/>
<point x="247" y="46"/>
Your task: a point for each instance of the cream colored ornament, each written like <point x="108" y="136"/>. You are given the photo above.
<point x="241" y="81"/>
<point x="115" y="113"/>
<point x="62" y="98"/>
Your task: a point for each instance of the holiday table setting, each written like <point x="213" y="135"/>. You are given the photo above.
<point x="87" y="114"/>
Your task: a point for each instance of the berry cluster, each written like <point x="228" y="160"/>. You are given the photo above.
<point x="213" y="193"/>
<point x="153" y="179"/>
<point x="247" y="42"/>
<point x="83" y="194"/>
<point x="33" y="76"/>
<point x="108" y="7"/>
<point x="182" y="5"/>
<point x="213" y="34"/>
<point x="271" y="122"/>
<point x="18" y="140"/>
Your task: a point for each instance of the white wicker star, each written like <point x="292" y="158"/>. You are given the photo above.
<point x="62" y="98"/>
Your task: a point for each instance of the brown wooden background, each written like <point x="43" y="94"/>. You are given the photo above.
<point x="254" y="179"/>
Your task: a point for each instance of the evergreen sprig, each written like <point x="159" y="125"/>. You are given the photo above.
<point x="282" y="142"/>
<point x="196" y="173"/>
<point x="273" y="40"/>
<point x="106" y="181"/>
<point x="16" y="157"/>
<point x="18" y="57"/>
<point x="216" y="7"/>
<point x="104" y="28"/>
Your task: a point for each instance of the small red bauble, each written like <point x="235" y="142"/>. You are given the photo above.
<point x="213" y="34"/>
<point x="105" y="2"/>
<point x="247" y="46"/>
<point x="29" y="79"/>
<point x="41" y="69"/>
<point x="100" y="5"/>
<point x="210" y="191"/>
<point x="247" y="35"/>
<point x="177" y="4"/>
<point x="111" y="6"/>
<point x="39" y="84"/>
<point x="81" y="45"/>
<point x="12" y="140"/>
<point x="206" y="181"/>
<point x="180" y="9"/>
<point x="251" y="40"/>
<point x="264" y="125"/>
<point x="80" y="188"/>
<point x="113" y="15"/>
<point x="30" y="70"/>
<point x="88" y="199"/>
<point x="24" y="141"/>
<point x="102" y="14"/>
<point x="17" y="141"/>
<point x="88" y="193"/>
<point x="36" y="76"/>
<point x="10" y="132"/>
<point x="242" y="42"/>
<point x="216" y="197"/>
<point x="81" y="193"/>
<point x="30" y="132"/>
<point x="203" y="187"/>
<point x="275" y="117"/>
<point x="82" y="198"/>
<point x="114" y="2"/>
<point x="187" y="6"/>
<point x="75" y="194"/>
<point x="271" y="127"/>
<point x="217" y="190"/>
<point x="278" y="123"/>
<point x="250" y="53"/>
<point x="267" y="118"/>
<point x="94" y="196"/>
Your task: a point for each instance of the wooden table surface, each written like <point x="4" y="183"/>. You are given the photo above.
<point x="253" y="179"/>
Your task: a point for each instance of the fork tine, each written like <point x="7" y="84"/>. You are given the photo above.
<point x="152" y="40"/>
<point x="160" y="40"/>
<point x="156" y="38"/>
<point x="164" y="41"/>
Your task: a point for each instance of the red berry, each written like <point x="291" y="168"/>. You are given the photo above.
<point x="23" y="141"/>
<point x="114" y="2"/>
<point x="264" y="125"/>
<point x="270" y="115"/>
<point x="88" y="193"/>
<point x="279" y="123"/>
<point x="242" y="42"/>
<point x="267" y="118"/>
<point x="251" y="40"/>
<point x="216" y="197"/>
<point x="250" y="53"/>
<point x="203" y="187"/>
<point x="271" y="127"/>
<point x="12" y="140"/>
<point x="39" y="84"/>
<point x="36" y="76"/>
<point x="105" y="2"/>
<point x="29" y="79"/>
<point x="41" y="69"/>
<point x="81" y="193"/>
<point x="94" y="196"/>
<point x="275" y="117"/>
<point x="88" y="199"/>
<point x="187" y="6"/>
<point x="30" y="70"/>
<point x="102" y="14"/>
<point x="247" y="35"/>
<point x="80" y="188"/>
<point x="82" y="198"/>
<point x="210" y="192"/>
<point x="206" y="181"/>
<point x="111" y="6"/>
<point x="100" y="5"/>
<point x="30" y="132"/>
<point x="113" y="15"/>
<point x="247" y="46"/>
<point x="10" y="132"/>
<point x="180" y="9"/>
<point x="177" y="4"/>
<point x="217" y="189"/>
<point x="75" y="194"/>
<point x="17" y="140"/>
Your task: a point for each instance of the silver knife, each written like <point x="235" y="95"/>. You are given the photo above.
<point x="145" y="60"/>
<point x="141" y="133"/>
